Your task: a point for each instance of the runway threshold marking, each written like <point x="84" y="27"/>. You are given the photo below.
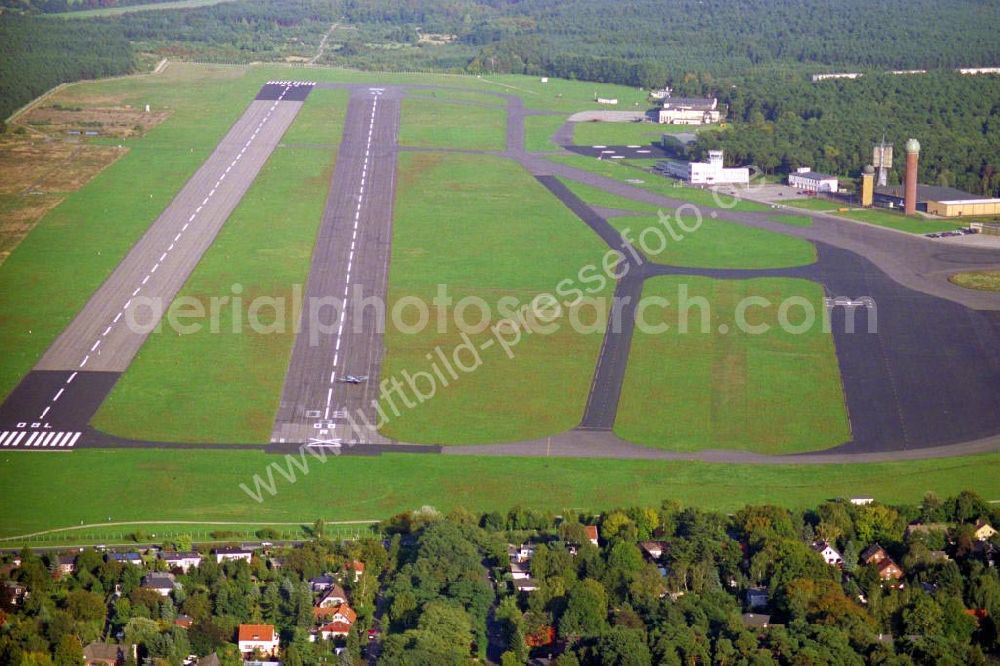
<point x="69" y="441"/>
<point x="51" y="440"/>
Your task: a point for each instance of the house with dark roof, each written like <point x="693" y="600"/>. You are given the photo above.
<point x="161" y="583"/>
<point x="231" y="553"/>
<point x="334" y="596"/>
<point x="755" y="621"/>
<point x="874" y="554"/>
<point x="132" y="558"/>
<point x="107" y="654"/>
<point x="184" y="561"/>
<point x="322" y="583"/>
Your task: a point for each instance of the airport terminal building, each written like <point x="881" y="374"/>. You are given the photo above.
<point x="711" y="172"/>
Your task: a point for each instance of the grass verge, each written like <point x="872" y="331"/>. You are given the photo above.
<point x="45" y="491"/>
<point x="981" y="280"/>
<point x="719" y="386"/>
<point x="713" y="243"/>
<point x="899" y="222"/>
<point x="484" y="228"/>
<point x="434" y="123"/>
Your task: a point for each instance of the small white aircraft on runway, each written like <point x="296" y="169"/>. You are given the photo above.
<point x="353" y="379"/>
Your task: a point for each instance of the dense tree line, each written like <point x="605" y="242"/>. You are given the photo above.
<point x="666" y="584"/>
<point x="37" y="54"/>
<point x="785" y="122"/>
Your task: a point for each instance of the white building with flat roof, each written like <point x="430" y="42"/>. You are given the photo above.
<point x="806" y="179"/>
<point x="689" y="111"/>
<point x="711" y="172"/>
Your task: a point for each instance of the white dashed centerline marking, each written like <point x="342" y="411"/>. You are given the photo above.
<point x="69" y="439"/>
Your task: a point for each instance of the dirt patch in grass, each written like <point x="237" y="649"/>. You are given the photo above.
<point x="46" y="156"/>
<point x="981" y="280"/>
<point x="101" y="120"/>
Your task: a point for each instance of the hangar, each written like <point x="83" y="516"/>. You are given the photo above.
<point x="938" y="200"/>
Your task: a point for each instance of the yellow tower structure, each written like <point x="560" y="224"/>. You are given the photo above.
<point x="867" y="186"/>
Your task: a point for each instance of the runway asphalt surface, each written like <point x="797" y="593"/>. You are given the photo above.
<point x="350" y="263"/>
<point x="101" y="341"/>
<point x="926" y="385"/>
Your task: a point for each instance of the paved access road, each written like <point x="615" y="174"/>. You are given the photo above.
<point x="74" y="375"/>
<point x="340" y="336"/>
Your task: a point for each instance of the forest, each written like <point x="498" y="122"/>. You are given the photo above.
<point x="755" y="56"/>
<point x="845" y="582"/>
<point x="36" y="55"/>
<point x="781" y="123"/>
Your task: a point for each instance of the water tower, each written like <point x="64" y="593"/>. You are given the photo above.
<point x="910" y="183"/>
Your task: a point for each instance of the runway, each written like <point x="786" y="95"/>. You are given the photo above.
<point x="929" y="379"/>
<point x="81" y="366"/>
<point x="340" y="335"/>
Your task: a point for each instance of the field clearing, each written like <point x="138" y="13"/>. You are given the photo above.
<point x="625" y="170"/>
<point x="203" y="485"/>
<point x="434" y="123"/>
<point x="713" y="243"/>
<point x="899" y="222"/>
<point x="117" y="11"/>
<point x="482" y="227"/>
<point x="716" y="388"/>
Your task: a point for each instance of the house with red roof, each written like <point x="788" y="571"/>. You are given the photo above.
<point x="262" y="637"/>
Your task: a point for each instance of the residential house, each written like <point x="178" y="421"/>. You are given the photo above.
<point x="525" y="585"/>
<point x="107" y="654"/>
<point x="829" y="554"/>
<point x="184" y="621"/>
<point x="184" y="561"/>
<point x="321" y="583"/>
<point x="591" y="531"/>
<point x="65" y="565"/>
<point x="889" y="570"/>
<point x="355" y="568"/>
<point x="13" y="594"/>
<point x="653" y="550"/>
<point x="262" y="637"/>
<point x="756" y="621"/>
<point x="984" y="531"/>
<point x="229" y="553"/>
<point x="333" y="597"/>
<point x="135" y="559"/>
<point x="519" y="571"/>
<point x="521" y="553"/>
<point x="756" y="597"/>
<point x="162" y="583"/>
<point x="874" y="554"/>
<point x="334" y="618"/>
<point x="334" y="630"/>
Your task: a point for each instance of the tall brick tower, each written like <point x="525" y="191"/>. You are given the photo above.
<point x="910" y="184"/>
